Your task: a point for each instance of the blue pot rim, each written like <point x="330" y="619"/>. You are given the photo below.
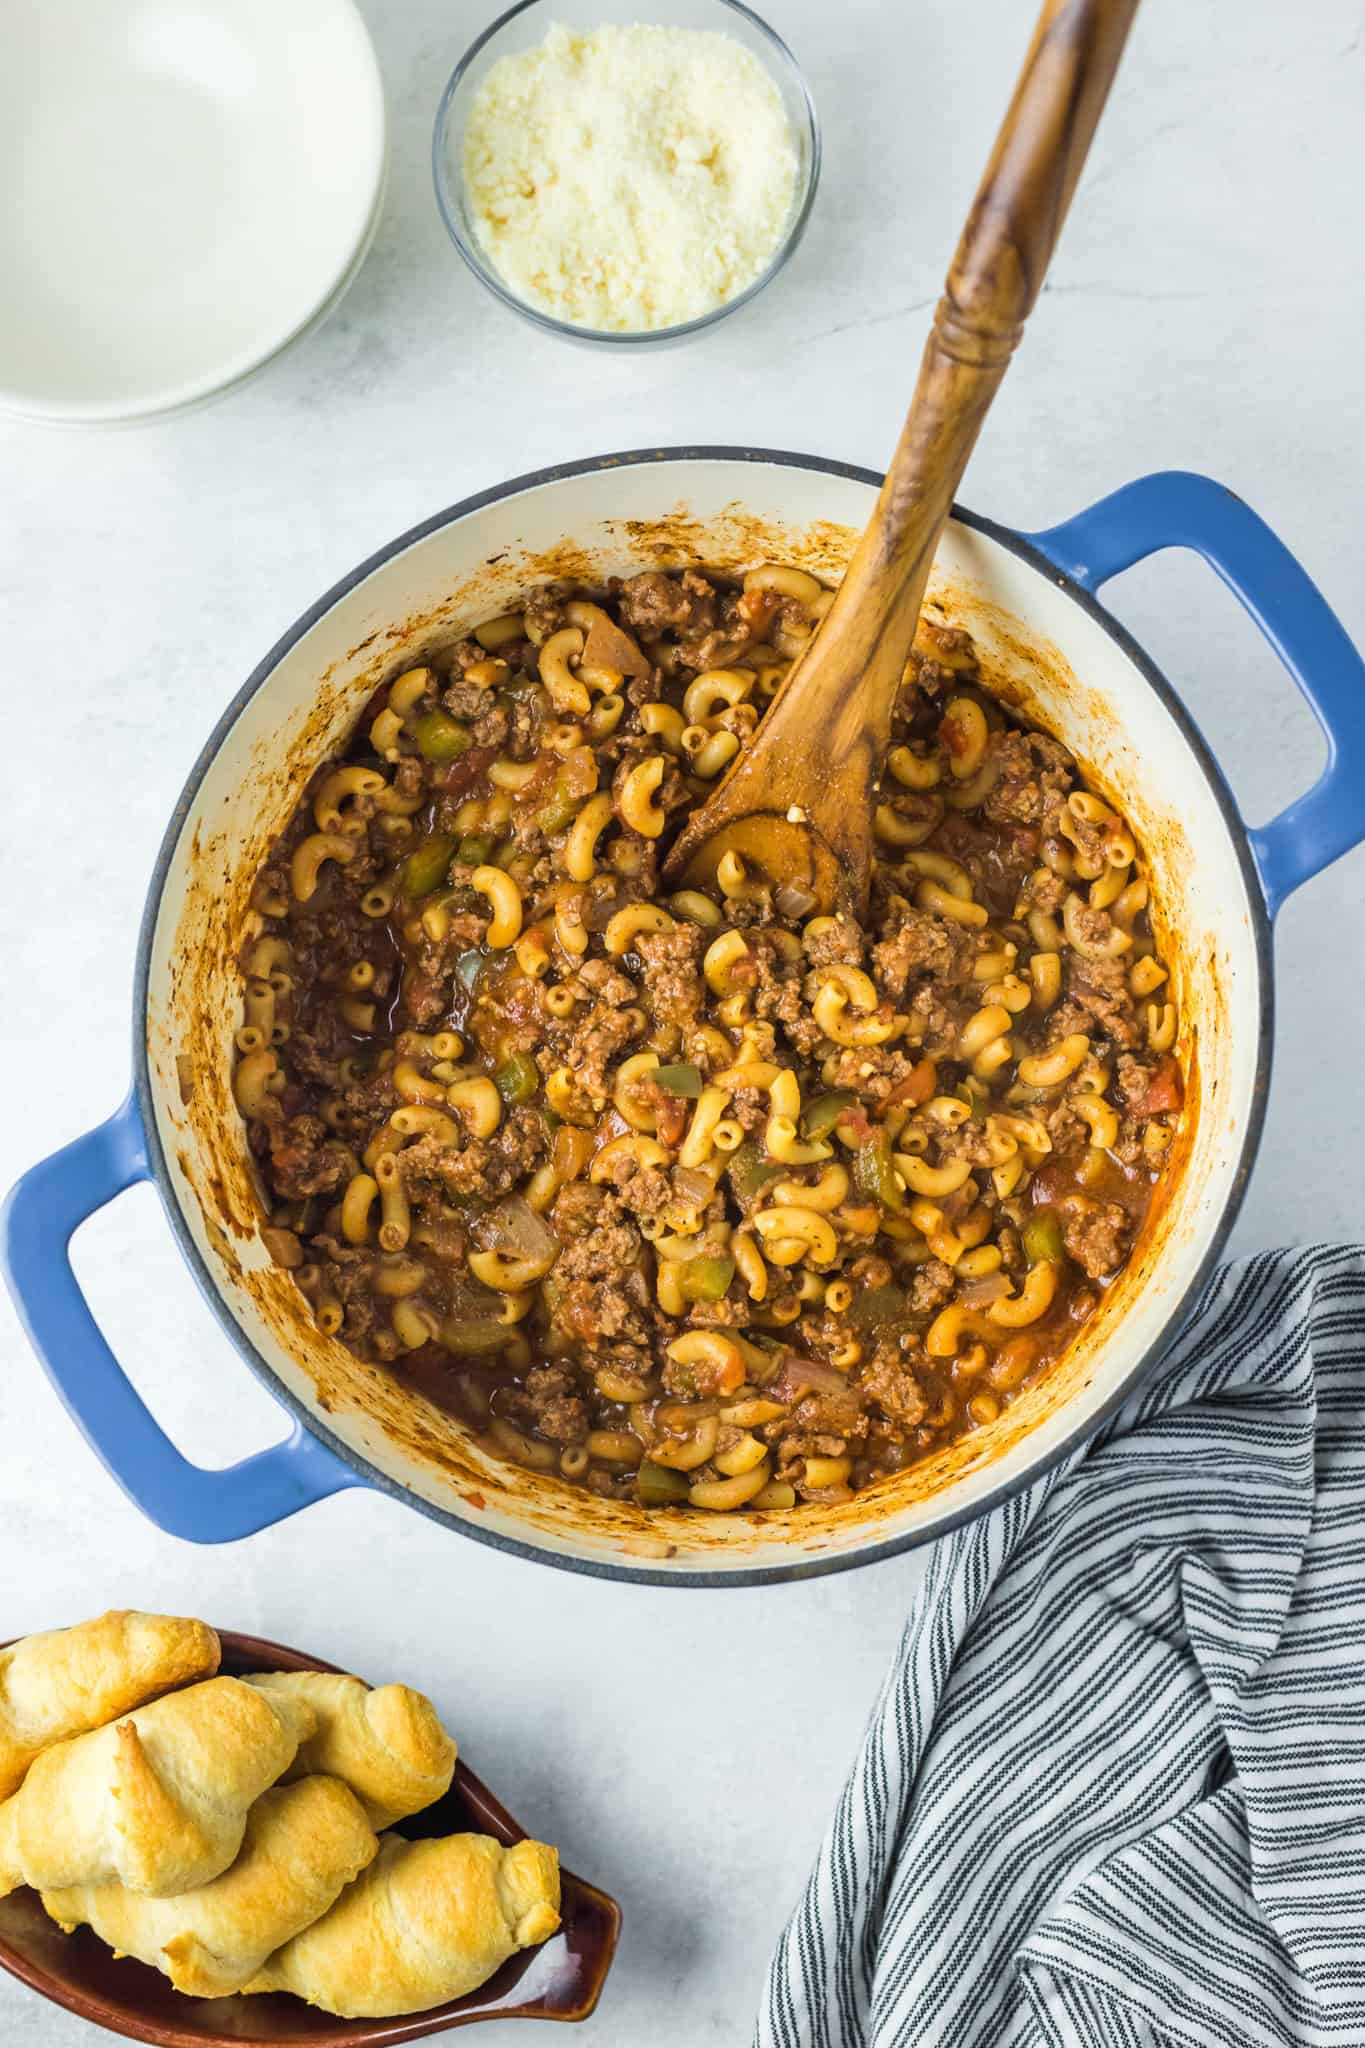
<point x="806" y="1568"/>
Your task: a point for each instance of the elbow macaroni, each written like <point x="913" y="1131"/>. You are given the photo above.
<point x="851" y="1121"/>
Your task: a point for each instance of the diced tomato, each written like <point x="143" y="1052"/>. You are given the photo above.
<point x="729" y="1377"/>
<point x="702" y="1379"/>
<point x="461" y="775"/>
<point x="532" y="791"/>
<point x="757" y="608"/>
<point x="674" y="1114"/>
<point x="917" y="1086"/>
<point x="1164" y="1092"/>
<point x="855" y="1122"/>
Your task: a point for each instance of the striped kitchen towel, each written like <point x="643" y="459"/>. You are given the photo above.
<point x="1113" y="1792"/>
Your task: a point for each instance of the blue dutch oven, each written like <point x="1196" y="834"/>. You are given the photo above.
<point x="1030" y="602"/>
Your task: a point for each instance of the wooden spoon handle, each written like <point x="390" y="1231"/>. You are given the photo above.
<point x="994" y="280"/>
<point x="798" y="799"/>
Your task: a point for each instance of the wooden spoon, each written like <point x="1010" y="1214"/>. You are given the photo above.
<point x="798" y="801"/>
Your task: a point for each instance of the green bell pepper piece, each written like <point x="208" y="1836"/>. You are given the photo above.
<point x="825" y="1111"/>
<point x="706" y="1278"/>
<point x="750" y="1171"/>
<point x="874" y="1175"/>
<point x="658" y="1487"/>
<point x="875" y="1305"/>
<point x="425" y="867"/>
<point x="440" y="737"/>
<point x="1043" y="1241"/>
<point x="682" y="1078"/>
<point x="517" y="1079"/>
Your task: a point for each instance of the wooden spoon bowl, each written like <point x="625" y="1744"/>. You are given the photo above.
<point x="560" y="1980"/>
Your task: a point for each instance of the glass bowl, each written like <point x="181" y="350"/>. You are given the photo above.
<point x="523" y="27"/>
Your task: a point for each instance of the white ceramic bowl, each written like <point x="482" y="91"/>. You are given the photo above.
<point x="1047" y="646"/>
<point x="188" y="185"/>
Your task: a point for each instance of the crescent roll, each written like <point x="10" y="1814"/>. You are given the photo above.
<point x="157" y="1801"/>
<point x="70" y="1680"/>
<point x="426" y="1922"/>
<point x="303" y="1843"/>
<point x="387" y="1745"/>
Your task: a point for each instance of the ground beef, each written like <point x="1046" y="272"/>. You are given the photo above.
<point x="931" y="1286"/>
<point x="544" y="614"/>
<point x="1045" y="890"/>
<point x="425" y="996"/>
<point x="732" y="1312"/>
<point x="889" y="1382"/>
<point x="597" y="1286"/>
<point x="561" y="1414"/>
<point x="492" y="726"/>
<point x="654" y="603"/>
<point x="1035" y="772"/>
<point x="465" y="700"/>
<point x="317" y="1047"/>
<point x="749" y="1107"/>
<point x="839" y="940"/>
<point x="645" y="1191"/>
<point x="777" y="990"/>
<point x="1151" y="1090"/>
<point x="1097" y="1235"/>
<point x="717" y="646"/>
<point x="350" y="1282"/>
<point x="875" y="1071"/>
<point x="1134" y="1077"/>
<point x="304" y="1157"/>
<point x="485" y="1168"/>
<point x="467" y="654"/>
<point x="1094" y="928"/>
<point x="670" y="965"/>
<point x="1011" y="1249"/>
<point x="1067" y="1019"/>
<point x="1065" y="1128"/>
<point x="935" y="1025"/>
<point x="604" y="1033"/>
<point x="922" y="944"/>
<point x="581" y="1207"/>
<point x="1099" y="988"/>
<point x="833" y="1413"/>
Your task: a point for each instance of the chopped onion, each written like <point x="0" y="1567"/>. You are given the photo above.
<point x="470" y="1301"/>
<point x="470" y="1339"/>
<point x="800" y="1375"/>
<point x="791" y="900"/>
<point x="990" y="1287"/>
<point x="692" y="1187"/>
<point x="513" y="1226"/>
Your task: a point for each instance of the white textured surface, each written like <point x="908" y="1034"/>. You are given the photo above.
<point x="684" y="1748"/>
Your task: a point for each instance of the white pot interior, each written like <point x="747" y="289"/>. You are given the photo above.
<point x="1041" y="650"/>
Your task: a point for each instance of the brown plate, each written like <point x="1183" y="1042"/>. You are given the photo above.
<point x="560" y="1980"/>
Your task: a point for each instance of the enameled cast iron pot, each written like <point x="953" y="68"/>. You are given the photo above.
<point x="1047" y="646"/>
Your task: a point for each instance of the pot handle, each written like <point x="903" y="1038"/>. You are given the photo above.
<point x="39" y="1216"/>
<point x="1178" y="509"/>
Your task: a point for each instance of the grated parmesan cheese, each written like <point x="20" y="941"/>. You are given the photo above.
<point x="632" y="178"/>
